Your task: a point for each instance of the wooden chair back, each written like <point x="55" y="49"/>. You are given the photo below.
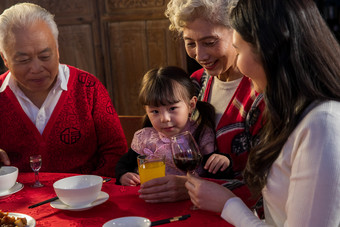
<point x="130" y="125"/>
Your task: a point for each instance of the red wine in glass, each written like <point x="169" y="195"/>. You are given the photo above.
<point x="185" y="152"/>
<point x="185" y="163"/>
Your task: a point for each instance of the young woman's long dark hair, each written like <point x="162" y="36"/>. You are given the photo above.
<point x="301" y="59"/>
<point x="166" y="86"/>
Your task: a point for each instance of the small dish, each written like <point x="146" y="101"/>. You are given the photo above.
<point x="17" y="187"/>
<point x="130" y="221"/>
<point x="103" y="197"/>
<point x="30" y="221"/>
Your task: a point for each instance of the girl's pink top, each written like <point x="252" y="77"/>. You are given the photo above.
<point x="148" y="141"/>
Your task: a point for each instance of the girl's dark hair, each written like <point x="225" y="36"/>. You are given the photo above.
<point x="300" y="57"/>
<point x="168" y="85"/>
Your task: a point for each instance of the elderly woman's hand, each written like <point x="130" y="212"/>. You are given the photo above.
<point x="4" y="158"/>
<point x="164" y="189"/>
<point x="207" y="195"/>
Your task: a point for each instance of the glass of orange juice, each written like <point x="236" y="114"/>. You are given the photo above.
<point x="150" y="167"/>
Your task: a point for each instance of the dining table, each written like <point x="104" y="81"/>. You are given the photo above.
<point x="123" y="201"/>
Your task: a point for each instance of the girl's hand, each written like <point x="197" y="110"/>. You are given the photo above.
<point x="217" y="162"/>
<point x="207" y="195"/>
<point x="130" y="179"/>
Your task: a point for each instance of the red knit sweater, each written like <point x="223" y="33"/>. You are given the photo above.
<point x="240" y="122"/>
<point x="83" y="135"/>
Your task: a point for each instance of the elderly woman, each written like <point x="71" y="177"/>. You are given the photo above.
<point x="207" y="35"/>
<point x="293" y="58"/>
<point x="61" y="112"/>
<point x="205" y="28"/>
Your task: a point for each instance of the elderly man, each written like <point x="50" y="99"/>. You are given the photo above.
<point x="63" y="113"/>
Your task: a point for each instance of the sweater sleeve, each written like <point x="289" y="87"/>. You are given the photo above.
<point x="314" y="189"/>
<point x="127" y="163"/>
<point x="309" y="161"/>
<point x="238" y="214"/>
<point x="111" y="139"/>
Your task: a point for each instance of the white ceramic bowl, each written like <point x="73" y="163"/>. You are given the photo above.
<point x="128" y="222"/>
<point x="8" y="177"/>
<point x="78" y="191"/>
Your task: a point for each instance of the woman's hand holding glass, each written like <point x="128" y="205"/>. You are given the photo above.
<point x="203" y="194"/>
<point x="185" y="153"/>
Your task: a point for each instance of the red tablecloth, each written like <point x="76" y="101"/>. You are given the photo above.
<point x="123" y="201"/>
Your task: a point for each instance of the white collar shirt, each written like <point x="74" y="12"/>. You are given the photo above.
<point x="41" y="116"/>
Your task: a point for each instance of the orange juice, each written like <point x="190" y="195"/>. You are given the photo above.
<point x="151" y="170"/>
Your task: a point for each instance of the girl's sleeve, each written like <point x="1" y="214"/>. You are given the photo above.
<point x="138" y="141"/>
<point x="226" y="174"/>
<point x="127" y="163"/>
<point x="207" y="148"/>
<point x="207" y="142"/>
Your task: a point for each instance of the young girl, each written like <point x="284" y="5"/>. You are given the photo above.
<point x="168" y="96"/>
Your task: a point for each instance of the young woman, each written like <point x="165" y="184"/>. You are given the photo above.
<point x="287" y="50"/>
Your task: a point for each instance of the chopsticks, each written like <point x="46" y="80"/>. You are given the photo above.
<point x="43" y="202"/>
<point x="169" y="220"/>
<point x="55" y="198"/>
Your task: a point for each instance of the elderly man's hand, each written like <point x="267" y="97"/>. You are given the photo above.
<point x="164" y="189"/>
<point x="4" y="158"/>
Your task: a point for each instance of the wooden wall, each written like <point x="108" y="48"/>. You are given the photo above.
<point x="116" y="40"/>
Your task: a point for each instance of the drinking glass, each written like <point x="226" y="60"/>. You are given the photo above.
<point x="35" y="162"/>
<point x="150" y="167"/>
<point x="186" y="154"/>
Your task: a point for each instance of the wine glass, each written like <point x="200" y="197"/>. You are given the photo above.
<point x="35" y="162"/>
<point x="185" y="154"/>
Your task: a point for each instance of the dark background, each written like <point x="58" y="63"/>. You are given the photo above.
<point x="330" y="10"/>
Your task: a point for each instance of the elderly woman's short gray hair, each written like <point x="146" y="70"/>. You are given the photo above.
<point x="180" y="12"/>
<point x="23" y="15"/>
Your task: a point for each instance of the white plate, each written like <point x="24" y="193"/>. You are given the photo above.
<point x="30" y="221"/>
<point x="103" y="197"/>
<point x="129" y="222"/>
<point x="17" y="187"/>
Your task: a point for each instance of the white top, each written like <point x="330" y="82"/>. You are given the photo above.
<point x="221" y="93"/>
<point x="40" y="117"/>
<point x="303" y="187"/>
